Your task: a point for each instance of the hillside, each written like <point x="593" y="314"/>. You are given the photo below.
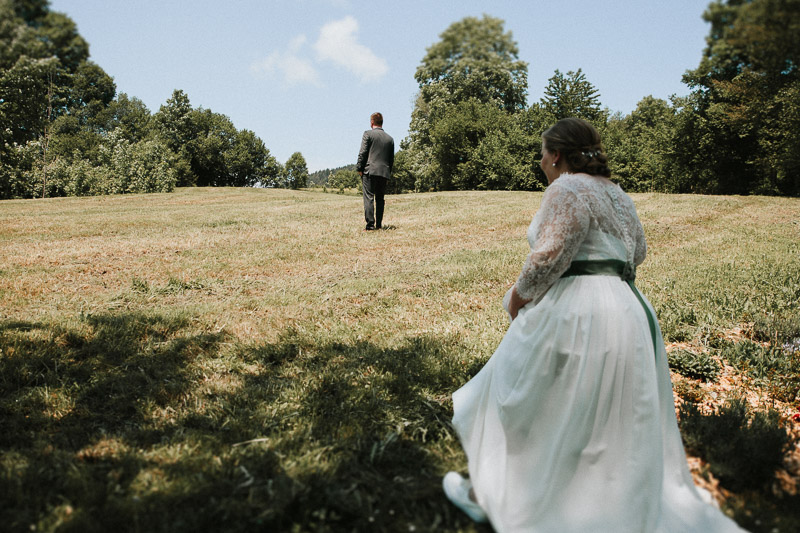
<point x="320" y="177"/>
<point x="239" y="359"/>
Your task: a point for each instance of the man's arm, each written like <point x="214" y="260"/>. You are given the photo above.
<point x="363" y="153"/>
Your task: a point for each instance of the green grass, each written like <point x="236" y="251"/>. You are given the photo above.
<point x="241" y="359"/>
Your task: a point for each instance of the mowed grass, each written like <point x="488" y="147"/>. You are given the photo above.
<point x="250" y="360"/>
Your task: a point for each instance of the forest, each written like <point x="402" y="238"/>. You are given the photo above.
<point x="65" y="131"/>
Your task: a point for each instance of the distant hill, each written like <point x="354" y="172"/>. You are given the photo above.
<point x="320" y="177"/>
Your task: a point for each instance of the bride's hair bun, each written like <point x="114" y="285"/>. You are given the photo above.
<point x="579" y="143"/>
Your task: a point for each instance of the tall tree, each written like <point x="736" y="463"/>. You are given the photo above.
<point x="174" y="126"/>
<point x="41" y="57"/>
<point x="295" y="171"/>
<point x="173" y="121"/>
<point x="572" y="95"/>
<point x="79" y="130"/>
<point x="42" y="51"/>
<point x="641" y="146"/>
<point x="475" y="59"/>
<point x="744" y="109"/>
<point x="249" y="163"/>
<point x="471" y="76"/>
<point x="130" y="115"/>
<point x="214" y="135"/>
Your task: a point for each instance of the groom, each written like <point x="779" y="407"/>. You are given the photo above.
<point x="374" y="165"/>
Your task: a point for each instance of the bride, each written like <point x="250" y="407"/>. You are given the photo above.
<point x="570" y="426"/>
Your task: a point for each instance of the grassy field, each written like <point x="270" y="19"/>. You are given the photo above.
<point x="248" y="360"/>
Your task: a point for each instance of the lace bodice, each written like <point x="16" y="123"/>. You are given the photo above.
<point x="581" y="217"/>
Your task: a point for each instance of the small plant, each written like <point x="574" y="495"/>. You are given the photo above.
<point x="678" y="321"/>
<point x="743" y="449"/>
<point x="175" y="285"/>
<point x="139" y="285"/>
<point x="771" y="366"/>
<point x="689" y="390"/>
<point x="782" y="330"/>
<point x="696" y="366"/>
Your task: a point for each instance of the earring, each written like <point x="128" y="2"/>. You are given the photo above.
<point x="554" y="164"/>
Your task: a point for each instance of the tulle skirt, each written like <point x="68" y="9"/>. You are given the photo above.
<point x="571" y="426"/>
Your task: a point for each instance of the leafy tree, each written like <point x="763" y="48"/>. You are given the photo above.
<point x="742" y="115"/>
<point x="478" y="146"/>
<point x="345" y="179"/>
<point x="641" y="146"/>
<point x="470" y="82"/>
<point x="213" y="136"/>
<point x="70" y="140"/>
<point x="295" y="172"/>
<point x="78" y="133"/>
<point x="121" y="167"/>
<point x="249" y="163"/>
<point x="403" y="178"/>
<point x="16" y="179"/>
<point x="174" y="126"/>
<point x="173" y="122"/>
<point x="209" y="151"/>
<point x="75" y="178"/>
<point x="92" y="91"/>
<point x="43" y="48"/>
<point x="475" y="59"/>
<point x="29" y="10"/>
<point x="140" y="167"/>
<point x="60" y="38"/>
<point x="44" y="76"/>
<point x="572" y="95"/>
<point x="130" y="116"/>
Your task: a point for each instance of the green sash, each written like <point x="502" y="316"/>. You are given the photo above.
<point x="613" y="267"/>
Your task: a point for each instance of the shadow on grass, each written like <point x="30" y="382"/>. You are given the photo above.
<point x="744" y="448"/>
<point x="70" y="385"/>
<point x="137" y="422"/>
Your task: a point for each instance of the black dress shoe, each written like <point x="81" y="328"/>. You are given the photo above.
<point x="369" y="228"/>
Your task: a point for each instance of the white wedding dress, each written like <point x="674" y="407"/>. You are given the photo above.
<point x="571" y="426"/>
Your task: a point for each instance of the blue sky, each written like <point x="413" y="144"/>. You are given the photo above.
<point x="305" y="75"/>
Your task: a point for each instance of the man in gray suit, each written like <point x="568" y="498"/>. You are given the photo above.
<point x="374" y="165"/>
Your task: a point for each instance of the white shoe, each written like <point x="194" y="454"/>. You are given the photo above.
<point x="456" y="488"/>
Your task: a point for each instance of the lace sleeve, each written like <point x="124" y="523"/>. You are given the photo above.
<point x="563" y="221"/>
<point x="636" y="232"/>
<point x="641" y="244"/>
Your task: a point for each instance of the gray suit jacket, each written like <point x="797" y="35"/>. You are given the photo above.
<point x="376" y="156"/>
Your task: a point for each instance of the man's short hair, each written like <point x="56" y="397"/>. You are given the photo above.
<point x="377" y="119"/>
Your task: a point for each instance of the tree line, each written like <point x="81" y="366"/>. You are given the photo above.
<point x="65" y="131"/>
<point x="737" y="132"/>
<point x="344" y="176"/>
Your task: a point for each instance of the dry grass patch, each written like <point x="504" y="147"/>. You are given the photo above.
<point x="245" y="359"/>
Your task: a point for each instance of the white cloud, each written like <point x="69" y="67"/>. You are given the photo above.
<point x="344" y="4"/>
<point x="294" y="69"/>
<point x="338" y="43"/>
